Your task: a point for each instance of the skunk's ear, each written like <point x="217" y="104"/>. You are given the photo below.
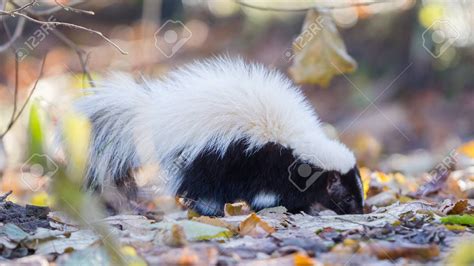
<point x="334" y="182"/>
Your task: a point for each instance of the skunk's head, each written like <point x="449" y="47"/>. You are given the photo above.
<point x="342" y="193"/>
<point x="334" y="184"/>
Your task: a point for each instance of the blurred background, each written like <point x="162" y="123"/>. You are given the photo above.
<point x="408" y="103"/>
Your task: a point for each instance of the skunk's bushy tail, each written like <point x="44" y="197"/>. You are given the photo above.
<point x="114" y="109"/>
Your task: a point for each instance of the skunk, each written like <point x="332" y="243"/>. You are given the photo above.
<point x="224" y="130"/>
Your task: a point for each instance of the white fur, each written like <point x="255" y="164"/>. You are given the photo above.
<point x="264" y="200"/>
<point x="208" y="104"/>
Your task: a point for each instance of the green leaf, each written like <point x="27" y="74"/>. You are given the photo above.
<point x="35" y="124"/>
<point x="458" y="219"/>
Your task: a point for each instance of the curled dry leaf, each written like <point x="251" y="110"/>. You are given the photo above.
<point x="320" y="52"/>
<point x="235" y="209"/>
<point x="254" y="226"/>
<point x="175" y="237"/>
<point x="454" y="208"/>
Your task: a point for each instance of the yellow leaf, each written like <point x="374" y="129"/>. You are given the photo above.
<point x="401" y="179"/>
<point x="253" y="225"/>
<point x="319" y="51"/>
<point x="76" y="132"/>
<point x="462" y="253"/>
<point x="129" y="251"/>
<point x="41" y="199"/>
<point x="131" y="256"/>
<point x="467" y="149"/>
<point x="382" y="177"/>
<point x="430" y="13"/>
<point x="365" y="176"/>
<point x="301" y="259"/>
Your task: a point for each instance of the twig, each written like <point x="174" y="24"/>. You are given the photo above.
<point x="16" y="115"/>
<point x="15" y="93"/>
<point x="80" y="54"/>
<point x="76" y="10"/>
<point x="5" y="196"/>
<point x="19" y="9"/>
<point x="70" y="25"/>
<point x="16" y="12"/>
<point x="242" y="3"/>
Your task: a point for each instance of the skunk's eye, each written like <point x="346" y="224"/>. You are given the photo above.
<point x="332" y="179"/>
<point x="348" y="199"/>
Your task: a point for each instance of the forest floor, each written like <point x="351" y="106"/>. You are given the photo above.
<point x="407" y="220"/>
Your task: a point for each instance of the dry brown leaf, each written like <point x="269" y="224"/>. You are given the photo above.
<point x="319" y="51"/>
<point x="454" y="208"/>
<point x="387" y="250"/>
<point x="175" y="237"/>
<point x="235" y="209"/>
<point x="254" y="226"/>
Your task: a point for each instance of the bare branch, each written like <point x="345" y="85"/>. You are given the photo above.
<point x="65" y="24"/>
<point x="16" y="12"/>
<point x="72" y="9"/>
<point x="80" y="54"/>
<point x="16" y="115"/>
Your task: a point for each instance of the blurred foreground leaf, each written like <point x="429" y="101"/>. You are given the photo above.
<point x="36" y="126"/>
<point x="320" y="52"/>
<point x="462" y="253"/>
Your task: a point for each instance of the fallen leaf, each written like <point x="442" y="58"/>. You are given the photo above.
<point x="458" y="219"/>
<point x="319" y="51"/>
<point x="384" y="198"/>
<point x="175" y="237"/>
<point x="13" y="232"/>
<point x="238" y="208"/>
<point x="454" y="208"/>
<point x="196" y="231"/>
<point x="455" y="227"/>
<point x="76" y="241"/>
<point x="388" y="250"/>
<point x="215" y="222"/>
<point x="467" y="149"/>
<point x="41" y="199"/>
<point x="302" y="259"/>
<point x="254" y="226"/>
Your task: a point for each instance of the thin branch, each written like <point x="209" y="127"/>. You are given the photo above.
<point x="19" y="9"/>
<point x="75" y="10"/>
<point x="15" y="115"/>
<point x="80" y="54"/>
<point x="69" y="25"/>
<point x="245" y="4"/>
<point x="16" y="12"/>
